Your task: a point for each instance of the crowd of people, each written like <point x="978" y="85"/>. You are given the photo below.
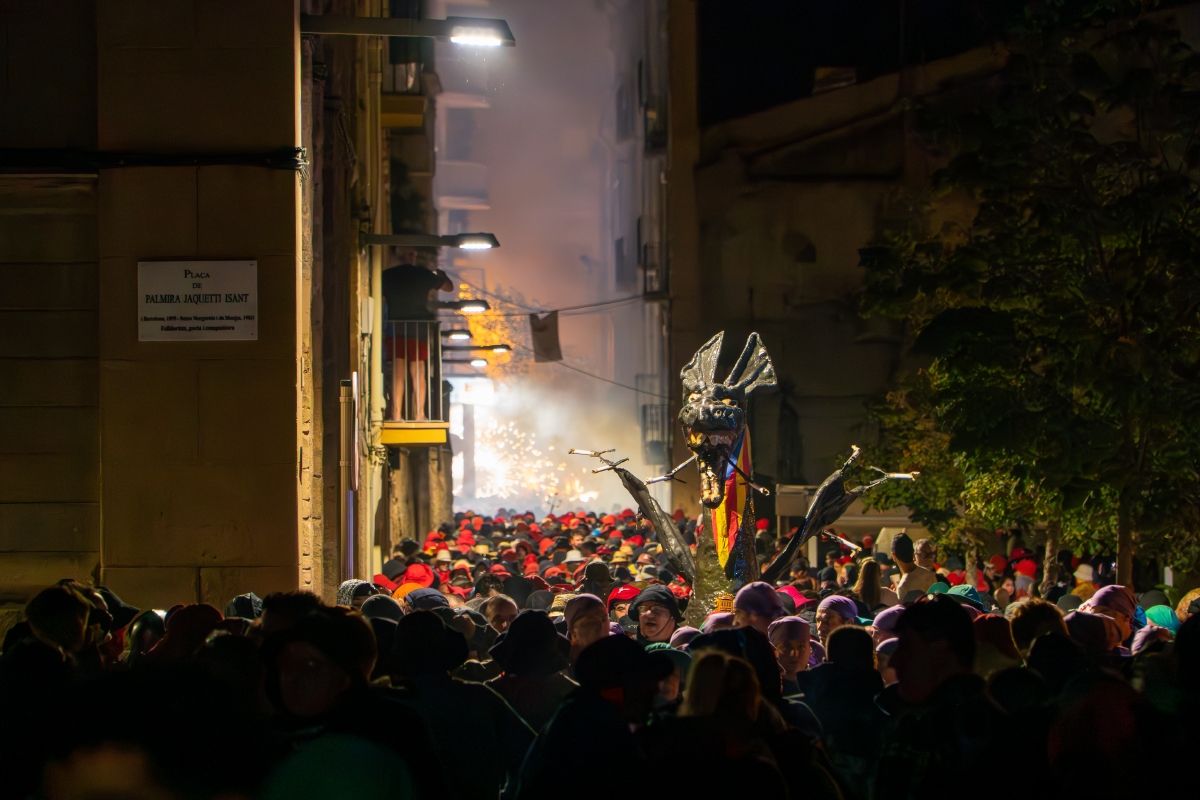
<point x="507" y="656"/>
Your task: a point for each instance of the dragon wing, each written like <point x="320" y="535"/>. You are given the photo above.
<point x="828" y="504"/>
<point x="679" y="555"/>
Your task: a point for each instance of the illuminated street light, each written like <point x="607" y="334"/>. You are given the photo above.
<point x="474" y="362"/>
<point x="463" y="241"/>
<point x="475" y="37"/>
<point x="466" y="306"/>
<point x="466" y="31"/>
<point x="477" y="241"/>
<point x="457" y="334"/>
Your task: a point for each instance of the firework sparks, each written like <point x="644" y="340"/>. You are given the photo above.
<point x="513" y="466"/>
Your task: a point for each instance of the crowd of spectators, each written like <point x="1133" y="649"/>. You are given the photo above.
<point x="511" y="657"/>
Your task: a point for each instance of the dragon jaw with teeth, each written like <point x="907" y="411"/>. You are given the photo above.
<point x="713" y="416"/>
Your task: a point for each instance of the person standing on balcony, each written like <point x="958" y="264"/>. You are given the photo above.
<point x="410" y="293"/>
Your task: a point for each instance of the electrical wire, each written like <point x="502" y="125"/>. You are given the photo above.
<point x="593" y="375"/>
<point x="582" y="308"/>
<point x="563" y="364"/>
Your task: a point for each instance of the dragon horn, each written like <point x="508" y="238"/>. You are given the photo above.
<point x="701" y="371"/>
<point x="753" y="368"/>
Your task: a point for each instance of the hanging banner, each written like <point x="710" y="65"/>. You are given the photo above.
<point x="193" y="301"/>
<point x="544" y="330"/>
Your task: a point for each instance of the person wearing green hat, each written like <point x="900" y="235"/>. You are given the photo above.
<point x="670" y="688"/>
<point x="938" y="588"/>
<point x="1163" y="617"/>
<point x="967" y="595"/>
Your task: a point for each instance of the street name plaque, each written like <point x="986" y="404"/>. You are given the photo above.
<point x="192" y="301"/>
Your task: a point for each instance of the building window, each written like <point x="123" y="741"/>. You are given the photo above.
<point x="458" y="220"/>
<point x="625" y="111"/>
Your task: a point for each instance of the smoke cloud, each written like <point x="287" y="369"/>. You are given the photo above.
<point x="559" y="201"/>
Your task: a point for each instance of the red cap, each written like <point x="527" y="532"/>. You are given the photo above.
<point x="418" y="573"/>
<point x="762" y="524"/>
<point x="1026" y="567"/>
<point x="623" y="594"/>
<point x="679" y="590"/>
<point x="385" y="582"/>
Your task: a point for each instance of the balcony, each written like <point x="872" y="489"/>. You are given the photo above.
<point x="462" y="185"/>
<point x="418" y="411"/>
<point x="654" y="271"/>
<point x="654" y="125"/>
<point x="655" y="421"/>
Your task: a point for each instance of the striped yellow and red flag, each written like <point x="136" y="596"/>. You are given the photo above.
<point x="727" y="517"/>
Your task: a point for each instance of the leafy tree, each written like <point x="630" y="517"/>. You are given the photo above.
<point x="1051" y="281"/>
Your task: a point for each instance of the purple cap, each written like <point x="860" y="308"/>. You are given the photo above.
<point x="789" y="629"/>
<point x="581" y="603"/>
<point x="841" y="605"/>
<point x="681" y="636"/>
<point x="886" y="619"/>
<point x="759" y="598"/>
<point x="816" y="653"/>
<point x="887" y="647"/>
<point x="1147" y="635"/>
<point x="716" y="621"/>
<point x="1116" y="598"/>
<point x="1096" y="633"/>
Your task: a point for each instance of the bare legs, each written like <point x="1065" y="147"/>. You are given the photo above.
<point x="408" y="378"/>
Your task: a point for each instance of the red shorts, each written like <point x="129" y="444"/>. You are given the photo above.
<point x="397" y="347"/>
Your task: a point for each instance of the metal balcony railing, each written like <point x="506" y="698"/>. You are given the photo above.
<point x="412" y="371"/>
<point x="655" y="421"/>
<point x="654" y="271"/>
<point x="654" y="124"/>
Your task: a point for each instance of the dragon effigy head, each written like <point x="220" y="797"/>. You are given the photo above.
<point x="713" y="415"/>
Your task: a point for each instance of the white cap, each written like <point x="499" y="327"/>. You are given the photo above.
<point x="443" y="555"/>
<point x="574" y="557"/>
<point x="1084" y="572"/>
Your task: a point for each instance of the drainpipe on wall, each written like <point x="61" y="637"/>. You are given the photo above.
<point x="375" y="155"/>
<point x="346" y="432"/>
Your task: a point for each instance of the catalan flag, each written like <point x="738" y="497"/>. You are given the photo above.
<point x="727" y="517"/>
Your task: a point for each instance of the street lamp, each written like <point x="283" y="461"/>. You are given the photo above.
<point x="463" y="241"/>
<point x="465" y="306"/>
<point x="467" y="31"/>
<point x="457" y="334"/>
<point x="474" y="362"/>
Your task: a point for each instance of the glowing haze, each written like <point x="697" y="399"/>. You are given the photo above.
<point x="553" y="175"/>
